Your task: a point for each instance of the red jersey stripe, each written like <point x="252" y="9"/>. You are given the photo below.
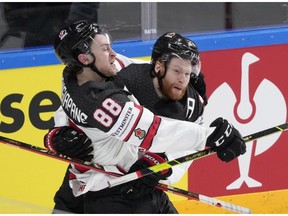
<point x="147" y="142"/>
<point x="120" y="63"/>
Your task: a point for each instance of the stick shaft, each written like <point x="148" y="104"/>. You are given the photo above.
<point x="168" y="188"/>
<point x="266" y="132"/>
<point x="205" y="199"/>
<point x="47" y="153"/>
<point x="194" y="156"/>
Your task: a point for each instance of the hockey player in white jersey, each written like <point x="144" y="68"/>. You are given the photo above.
<point x="105" y="112"/>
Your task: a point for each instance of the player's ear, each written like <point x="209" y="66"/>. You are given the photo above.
<point x="84" y="58"/>
<point x="158" y="67"/>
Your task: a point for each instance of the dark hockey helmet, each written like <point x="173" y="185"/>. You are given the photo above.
<point x="76" y="39"/>
<point x="172" y="43"/>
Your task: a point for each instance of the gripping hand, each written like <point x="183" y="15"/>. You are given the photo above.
<point x="146" y="184"/>
<point x="65" y="140"/>
<point x="226" y="140"/>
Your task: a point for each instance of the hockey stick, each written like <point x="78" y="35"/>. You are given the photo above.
<point x="205" y="199"/>
<point x="45" y="152"/>
<point x="84" y="164"/>
<point x="200" y="154"/>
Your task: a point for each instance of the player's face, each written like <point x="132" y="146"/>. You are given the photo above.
<point x="177" y="78"/>
<point x="104" y="55"/>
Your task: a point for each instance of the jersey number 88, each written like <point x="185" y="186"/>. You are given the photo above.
<point x="111" y="109"/>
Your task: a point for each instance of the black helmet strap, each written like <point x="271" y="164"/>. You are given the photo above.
<point x="94" y="68"/>
<point x="158" y="75"/>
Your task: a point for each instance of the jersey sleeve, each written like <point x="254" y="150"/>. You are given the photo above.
<point x="60" y="118"/>
<point x="138" y="126"/>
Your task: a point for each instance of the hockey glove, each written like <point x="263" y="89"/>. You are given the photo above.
<point x="226" y="140"/>
<point x="65" y="140"/>
<point x="146" y="184"/>
<point x="200" y="86"/>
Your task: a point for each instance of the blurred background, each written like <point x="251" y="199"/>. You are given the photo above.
<point x="30" y="24"/>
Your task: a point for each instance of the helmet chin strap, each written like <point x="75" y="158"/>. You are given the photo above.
<point x="159" y="77"/>
<point x="95" y="69"/>
<point x="165" y="60"/>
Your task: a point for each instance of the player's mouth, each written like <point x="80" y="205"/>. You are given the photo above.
<point x="112" y="64"/>
<point x="177" y="88"/>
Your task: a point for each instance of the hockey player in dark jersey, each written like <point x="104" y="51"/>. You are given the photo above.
<point x="161" y="86"/>
<point x="86" y="102"/>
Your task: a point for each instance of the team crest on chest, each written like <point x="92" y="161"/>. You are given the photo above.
<point x="139" y="133"/>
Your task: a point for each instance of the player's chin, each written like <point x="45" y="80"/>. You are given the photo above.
<point x="113" y="72"/>
<point x="113" y="68"/>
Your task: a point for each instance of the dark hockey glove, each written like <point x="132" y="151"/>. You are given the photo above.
<point x="226" y="140"/>
<point x="68" y="141"/>
<point x="199" y="84"/>
<point x="146" y="184"/>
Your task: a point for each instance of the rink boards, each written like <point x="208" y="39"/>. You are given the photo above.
<point x="246" y="80"/>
